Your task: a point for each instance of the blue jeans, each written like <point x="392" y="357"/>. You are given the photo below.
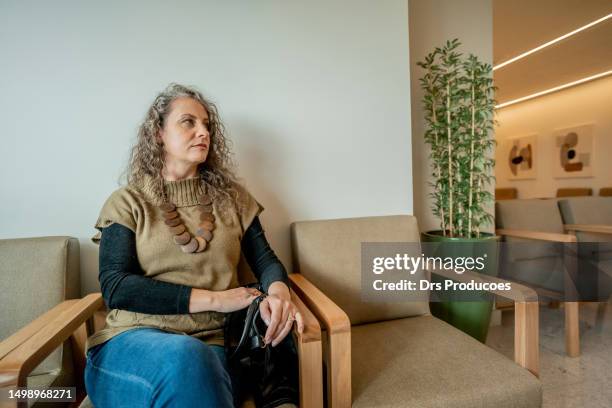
<point x="151" y="368"/>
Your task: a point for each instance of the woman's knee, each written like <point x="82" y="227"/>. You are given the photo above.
<point x="190" y="358"/>
<point x="194" y="373"/>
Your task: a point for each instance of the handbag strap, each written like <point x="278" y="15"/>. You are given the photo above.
<point x="249" y="322"/>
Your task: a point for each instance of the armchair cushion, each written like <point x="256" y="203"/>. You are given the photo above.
<point x="328" y="253"/>
<point x="424" y="362"/>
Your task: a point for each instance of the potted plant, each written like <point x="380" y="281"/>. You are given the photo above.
<point x="459" y="110"/>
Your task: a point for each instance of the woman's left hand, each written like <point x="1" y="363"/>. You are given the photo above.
<point x="278" y="312"/>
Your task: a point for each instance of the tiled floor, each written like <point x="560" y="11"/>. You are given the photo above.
<point x="584" y="381"/>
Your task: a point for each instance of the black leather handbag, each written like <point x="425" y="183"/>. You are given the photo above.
<point x="270" y="374"/>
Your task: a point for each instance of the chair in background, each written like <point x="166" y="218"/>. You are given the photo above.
<point x="590" y="219"/>
<point x="574" y="192"/>
<point x="605" y="192"/>
<point x="398" y="354"/>
<point x="506" y="193"/>
<point x="39" y="272"/>
<point x="540" y="265"/>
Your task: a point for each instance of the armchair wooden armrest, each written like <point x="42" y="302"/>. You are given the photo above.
<point x="596" y="228"/>
<point x="338" y="326"/>
<point x="47" y="333"/>
<point x="526" y="325"/>
<point x="334" y="319"/>
<point x="569" y="238"/>
<point x="28" y="331"/>
<point x="537" y="235"/>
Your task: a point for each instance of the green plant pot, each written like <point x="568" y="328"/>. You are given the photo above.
<point x="471" y="317"/>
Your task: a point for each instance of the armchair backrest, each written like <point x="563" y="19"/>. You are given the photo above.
<point x="328" y="253"/>
<point x="588" y="210"/>
<point x="538" y="263"/>
<point x="36" y="274"/>
<point x="529" y="214"/>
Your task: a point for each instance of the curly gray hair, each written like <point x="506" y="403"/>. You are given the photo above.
<point x="147" y="155"/>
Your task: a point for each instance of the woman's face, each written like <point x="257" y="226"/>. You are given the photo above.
<point x="185" y="134"/>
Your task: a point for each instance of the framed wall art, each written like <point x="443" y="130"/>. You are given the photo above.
<point x="573" y="154"/>
<point x="520" y="157"/>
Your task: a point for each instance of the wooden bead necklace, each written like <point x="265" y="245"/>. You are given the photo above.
<point x="187" y="242"/>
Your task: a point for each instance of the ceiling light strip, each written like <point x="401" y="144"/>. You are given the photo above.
<point x="555" y="89"/>
<point x="556" y="40"/>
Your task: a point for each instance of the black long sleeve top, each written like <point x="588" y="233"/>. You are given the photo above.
<point x="125" y="287"/>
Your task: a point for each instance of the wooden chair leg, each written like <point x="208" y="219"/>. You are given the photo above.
<point x="78" y="340"/>
<point x="526" y="334"/>
<point x="572" y="315"/>
<point x="310" y="354"/>
<point x="572" y="330"/>
<point x="339" y="376"/>
<point x="311" y="374"/>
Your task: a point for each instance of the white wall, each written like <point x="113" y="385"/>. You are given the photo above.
<point x="589" y="103"/>
<point x="432" y="23"/>
<point x="315" y="95"/>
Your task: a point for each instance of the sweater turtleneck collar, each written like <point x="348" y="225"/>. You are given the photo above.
<point x="181" y="193"/>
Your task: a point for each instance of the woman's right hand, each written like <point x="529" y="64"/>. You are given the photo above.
<point x="224" y="301"/>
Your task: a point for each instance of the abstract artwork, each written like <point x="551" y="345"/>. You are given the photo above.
<point x="573" y="156"/>
<point x="520" y="155"/>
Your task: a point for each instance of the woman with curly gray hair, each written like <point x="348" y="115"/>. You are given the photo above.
<point x="170" y="242"/>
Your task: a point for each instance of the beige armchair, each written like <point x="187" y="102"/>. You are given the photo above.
<point x="398" y="354"/>
<point x="590" y="220"/>
<point x="37" y="274"/>
<point x="70" y="322"/>
<point x="570" y="220"/>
